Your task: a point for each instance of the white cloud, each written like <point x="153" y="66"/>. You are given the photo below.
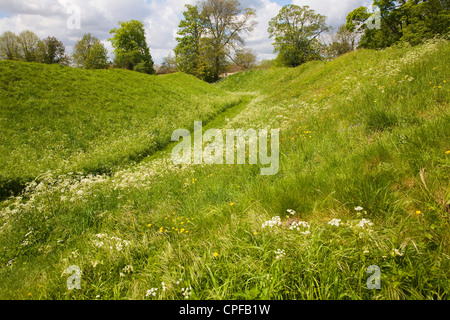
<point x="160" y="17"/>
<point x="335" y="10"/>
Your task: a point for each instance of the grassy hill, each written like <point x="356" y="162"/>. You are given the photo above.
<point x="62" y="120"/>
<point x="363" y="180"/>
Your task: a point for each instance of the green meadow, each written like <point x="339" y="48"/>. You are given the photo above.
<point x="87" y="180"/>
<point x="66" y="120"/>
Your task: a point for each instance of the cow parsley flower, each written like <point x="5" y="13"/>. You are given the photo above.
<point x="279" y="254"/>
<point x="186" y="292"/>
<point x="335" y="222"/>
<point x="274" y="222"/>
<point x="300" y="226"/>
<point x="364" y="222"/>
<point x="151" y="292"/>
<point x="128" y="269"/>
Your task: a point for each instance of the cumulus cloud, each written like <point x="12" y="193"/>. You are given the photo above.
<point x="160" y="18"/>
<point x="335" y="10"/>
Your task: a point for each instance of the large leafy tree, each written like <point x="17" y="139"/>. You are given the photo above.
<point x="424" y="20"/>
<point x="245" y="58"/>
<point x="52" y="51"/>
<point x="342" y="41"/>
<point x="9" y="48"/>
<point x="90" y="53"/>
<point x="412" y="21"/>
<point x="130" y="47"/>
<point x="187" y="51"/>
<point x="210" y="34"/>
<point x="295" y="30"/>
<point x="224" y="23"/>
<point x="28" y="45"/>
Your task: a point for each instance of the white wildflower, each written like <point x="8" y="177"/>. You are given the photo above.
<point x="97" y="243"/>
<point x="186" y="292"/>
<point x="364" y="222"/>
<point x="300" y="226"/>
<point x="279" y="254"/>
<point x="128" y="269"/>
<point x="290" y="211"/>
<point x="335" y="222"/>
<point x="274" y="222"/>
<point x="151" y="292"/>
<point x="358" y="208"/>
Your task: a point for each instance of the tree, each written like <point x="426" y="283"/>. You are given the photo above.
<point x="296" y="30"/>
<point x="52" y="51"/>
<point x="211" y="32"/>
<point x="9" y="49"/>
<point x="245" y="58"/>
<point x="130" y="47"/>
<point x="412" y="21"/>
<point x="90" y="53"/>
<point x="169" y="65"/>
<point x="424" y="20"/>
<point x="224" y="22"/>
<point x="342" y="42"/>
<point x="187" y="51"/>
<point x="28" y="46"/>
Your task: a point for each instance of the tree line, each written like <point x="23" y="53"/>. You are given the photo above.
<point x="210" y="38"/>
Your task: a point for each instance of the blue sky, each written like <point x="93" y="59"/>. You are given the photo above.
<point x="160" y="17"/>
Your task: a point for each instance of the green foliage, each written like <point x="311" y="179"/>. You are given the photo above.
<point x="130" y="47"/>
<point x="9" y="49"/>
<point x="28" y="47"/>
<point x="169" y="65"/>
<point x="90" y="53"/>
<point x="342" y="42"/>
<point x="295" y="30"/>
<point x="28" y="43"/>
<point x="210" y="33"/>
<point x="187" y="51"/>
<point x="424" y="20"/>
<point x="245" y="59"/>
<point x="52" y="51"/>
<point x="411" y="21"/>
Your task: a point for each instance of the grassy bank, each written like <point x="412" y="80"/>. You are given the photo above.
<point x="60" y="120"/>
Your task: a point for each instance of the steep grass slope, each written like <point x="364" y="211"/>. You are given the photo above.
<point x="60" y="119"/>
<point x="363" y="180"/>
